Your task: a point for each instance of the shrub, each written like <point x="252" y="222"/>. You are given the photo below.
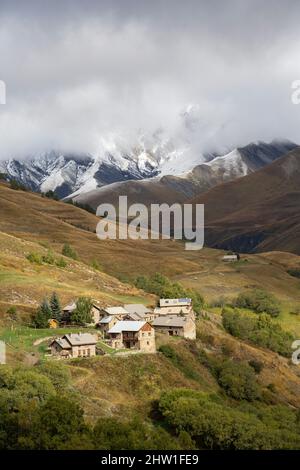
<point x="116" y="434"/>
<point x="261" y="330"/>
<point x="271" y="387"/>
<point x="239" y="381"/>
<point x="34" y="258"/>
<point x="95" y="265"/>
<point x="179" y="361"/>
<point x="61" y="263"/>
<point x="161" y="286"/>
<point x="295" y="272"/>
<point x="259" y="301"/>
<point x="58" y="373"/>
<point x="48" y="258"/>
<point x="256" y="365"/>
<point x="12" y="312"/>
<point x="219" y="302"/>
<point x="215" y="425"/>
<point x="68" y="251"/>
<point x="51" y="195"/>
<point x="17" y="186"/>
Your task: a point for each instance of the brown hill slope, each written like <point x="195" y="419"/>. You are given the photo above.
<point x="168" y="189"/>
<point x="259" y="212"/>
<point x="31" y="217"/>
<point x="30" y="223"/>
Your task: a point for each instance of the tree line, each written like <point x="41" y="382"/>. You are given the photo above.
<point x="51" y="309"/>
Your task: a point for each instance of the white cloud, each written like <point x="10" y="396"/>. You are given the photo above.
<point x="76" y="71"/>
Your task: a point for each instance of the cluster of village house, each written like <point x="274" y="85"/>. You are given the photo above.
<point x="131" y="326"/>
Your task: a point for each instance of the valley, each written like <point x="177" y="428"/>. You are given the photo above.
<point x="114" y="388"/>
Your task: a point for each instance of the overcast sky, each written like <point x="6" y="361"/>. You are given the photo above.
<point x="78" y="70"/>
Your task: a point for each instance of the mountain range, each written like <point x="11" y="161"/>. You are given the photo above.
<point x="250" y="194"/>
<point x="257" y="213"/>
<point x="179" y="188"/>
<point x="119" y="157"/>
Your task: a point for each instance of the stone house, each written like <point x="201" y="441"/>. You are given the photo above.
<point x="231" y="258"/>
<point x="106" y="323"/>
<point x="139" y="335"/>
<point x="74" y="345"/>
<point x="174" y="307"/>
<point x="176" y="325"/>
<point x="139" y="312"/>
<point x="118" y="311"/>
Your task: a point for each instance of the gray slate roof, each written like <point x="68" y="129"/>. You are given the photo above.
<point x="136" y="316"/>
<point x="170" y="320"/>
<point x="62" y="342"/>
<point x="115" y="310"/>
<point x="140" y="309"/>
<point x="106" y="319"/>
<point x="79" y="339"/>
<point x="70" y="307"/>
<point x="75" y="339"/>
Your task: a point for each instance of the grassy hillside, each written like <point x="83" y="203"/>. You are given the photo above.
<point x="124" y="385"/>
<point x="119" y="388"/>
<point x="24" y="284"/>
<point x="32" y="224"/>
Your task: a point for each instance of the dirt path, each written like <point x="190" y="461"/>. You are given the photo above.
<point x="41" y="340"/>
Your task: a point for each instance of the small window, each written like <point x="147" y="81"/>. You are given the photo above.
<point x="148" y="343"/>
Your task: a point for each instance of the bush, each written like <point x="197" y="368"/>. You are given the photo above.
<point x="179" y="361"/>
<point x="12" y="312"/>
<point x="58" y="373"/>
<point x="256" y="365"/>
<point x="295" y="272"/>
<point x="115" y="434"/>
<point x="85" y="207"/>
<point x="68" y="251"/>
<point x="272" y="387"/>
<point x="164" y="288"/>
<point x="95" y="265"/>
<point x="219" y="302"/>
<point x="51" y="195"/>
<point x="61" y="263"/>
<point x="214" y="425"/>
<point x="48" y="258"/>
<point x="259" y="301"/>
<point x="239" y="381"/>
<point x="17" y="186"/>
<point x="34" y="258"/>
<point x="262" y="331"/>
